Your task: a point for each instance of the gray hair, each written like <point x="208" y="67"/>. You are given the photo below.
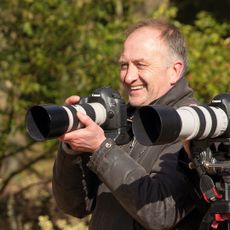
<point x="169" y="33"/>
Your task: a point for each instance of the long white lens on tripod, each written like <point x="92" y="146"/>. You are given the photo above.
<point x="153" y="125"/>
<point x="201" y="122"/>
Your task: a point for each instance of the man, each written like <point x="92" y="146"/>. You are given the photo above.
<point x="132" y="186"/>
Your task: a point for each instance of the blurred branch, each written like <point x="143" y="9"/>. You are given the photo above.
<point x="18" y="150"/>
<point x="43" y="156"/>
<point x="119" y="8"/>
<point x="44" y="182"/>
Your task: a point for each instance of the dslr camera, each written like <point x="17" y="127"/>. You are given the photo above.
<point x="104" y="106"/>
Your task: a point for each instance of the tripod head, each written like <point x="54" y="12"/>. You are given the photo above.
<point x="211" y="159"/>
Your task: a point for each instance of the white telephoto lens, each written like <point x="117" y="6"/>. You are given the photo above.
<point x="100" y="112"/>
<point x="222" y="121"/>
<point x="190" y="122"/>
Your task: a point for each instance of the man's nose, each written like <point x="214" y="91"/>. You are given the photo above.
<point x="131" y="74"/>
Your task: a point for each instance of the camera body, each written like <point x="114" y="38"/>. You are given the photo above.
<point x="114" y="105"/>
<point x="104" y="106"/>
<point x="115" y="125"/>
<point x="222" y="101"/>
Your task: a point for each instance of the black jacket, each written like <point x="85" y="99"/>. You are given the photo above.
<point x="131" y="186"/>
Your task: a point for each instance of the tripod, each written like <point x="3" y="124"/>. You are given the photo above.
<point x="218" y="215"/>
<point x="218" y="193"/>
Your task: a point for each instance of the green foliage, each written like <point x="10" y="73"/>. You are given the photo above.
<point x="54" y="45"/>
<point x="209" y="48"/>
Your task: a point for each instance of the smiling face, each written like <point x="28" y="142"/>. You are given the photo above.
<point x="146" y="69"/>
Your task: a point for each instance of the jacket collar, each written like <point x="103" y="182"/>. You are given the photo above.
<point x="176" y="94"/>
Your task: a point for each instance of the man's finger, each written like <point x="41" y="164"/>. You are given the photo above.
<point x="84" y="119"/>
<point x="72" y="100"/>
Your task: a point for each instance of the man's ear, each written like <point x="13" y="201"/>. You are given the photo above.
<point x="176" y="70"/>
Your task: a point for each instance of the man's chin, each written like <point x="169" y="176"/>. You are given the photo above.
<point x="136" y="99"/>
<point x="136" y="103"/>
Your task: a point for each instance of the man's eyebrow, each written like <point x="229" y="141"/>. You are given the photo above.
<point x="139" y="60"/>
<point x="121" y="60"/>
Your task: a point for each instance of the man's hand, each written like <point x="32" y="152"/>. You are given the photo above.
<point x="86" y="139"/>
<point x="186" y="145"/>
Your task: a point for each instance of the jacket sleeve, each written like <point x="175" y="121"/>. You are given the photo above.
<point x="157" y="200"/>
<point x="74" y="185"/>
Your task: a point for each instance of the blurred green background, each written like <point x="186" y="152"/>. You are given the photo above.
<point x="51" y="49"/>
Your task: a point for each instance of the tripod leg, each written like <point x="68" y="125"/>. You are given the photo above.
<point x="206" y="222"/>
<point x="225" y="225"/>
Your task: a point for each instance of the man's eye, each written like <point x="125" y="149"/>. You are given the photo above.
<point x="141" y="66"/>
<point x="123" y="66"/>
